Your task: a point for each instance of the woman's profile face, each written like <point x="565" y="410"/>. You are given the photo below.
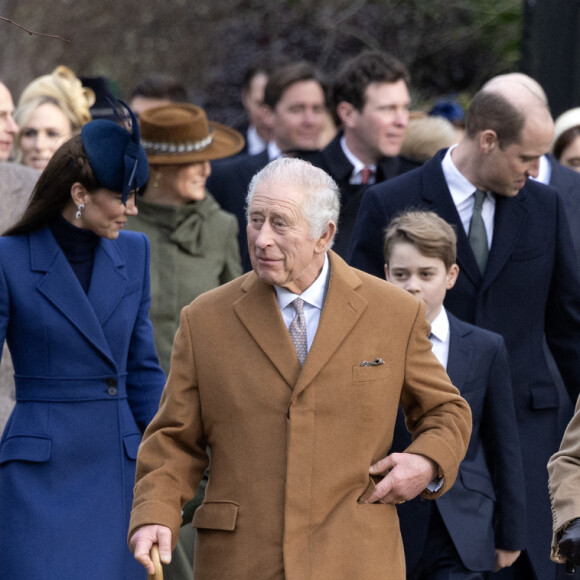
<point x="570" y="156"/>
<point x="44" y="132"/>
<point x="184" y="183"/>
<point x="104" y="213"/>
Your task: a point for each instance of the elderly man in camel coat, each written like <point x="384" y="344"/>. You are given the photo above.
<point x="301" y="481"/>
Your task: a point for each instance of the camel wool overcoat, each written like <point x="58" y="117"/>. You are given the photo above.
<point x="291" y="446"/>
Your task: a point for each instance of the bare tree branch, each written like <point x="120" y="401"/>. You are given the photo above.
<point x="31" y="32"/>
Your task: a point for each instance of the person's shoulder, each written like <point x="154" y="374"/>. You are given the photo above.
<point x="131" y="240"/>
<point x="481" y="335"/>
<point x="220" y="298"/>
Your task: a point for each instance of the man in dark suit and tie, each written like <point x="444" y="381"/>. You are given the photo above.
<point x="370" y="100"/>
<point x="526" y="285"/>
<point x="295" y="99"/>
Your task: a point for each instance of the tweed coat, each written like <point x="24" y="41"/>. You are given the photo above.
<point x="564" y="482"/>
<point x="87" y="384"/>
<point x="291" y="446"/>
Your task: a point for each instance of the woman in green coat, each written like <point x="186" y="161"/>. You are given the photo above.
<point x="194" y="245"/>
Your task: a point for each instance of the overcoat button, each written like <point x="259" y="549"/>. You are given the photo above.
<point x="112" y="391"/>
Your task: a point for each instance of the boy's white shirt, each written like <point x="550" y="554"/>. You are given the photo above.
<point x="440" y="337"/>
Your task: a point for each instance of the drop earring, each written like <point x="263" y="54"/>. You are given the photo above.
<point x="79" y="211"/>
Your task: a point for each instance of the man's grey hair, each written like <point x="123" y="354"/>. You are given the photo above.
<point x="322" y="201"/>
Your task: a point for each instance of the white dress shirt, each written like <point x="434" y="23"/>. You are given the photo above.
<point x="440" y="337"/>
<point x="356" y="177"/>
<point x="273" y="151"/>
<point x="462" y="191"/>
<point x="255" y="143"/>
<point x="313" y="298"/>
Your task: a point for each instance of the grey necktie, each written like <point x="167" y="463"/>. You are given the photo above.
<point x="477" y="235"/>
<point x="298" y="330"/>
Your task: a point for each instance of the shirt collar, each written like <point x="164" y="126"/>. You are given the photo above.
<point x="274" y="151"/>
<point x="354" y="161"/>
<point x="459" y="186"/>
<point x="545" y="171"/>
<point x="440" y="326"/>
<point x="313" y="295"/>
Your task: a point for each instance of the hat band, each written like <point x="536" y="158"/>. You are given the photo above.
<point x="176" y="149"/>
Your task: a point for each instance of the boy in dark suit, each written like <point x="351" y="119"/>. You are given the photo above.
<point x="479" y="526"/>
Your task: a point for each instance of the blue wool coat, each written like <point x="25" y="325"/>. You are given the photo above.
<point x="87" y="384"/>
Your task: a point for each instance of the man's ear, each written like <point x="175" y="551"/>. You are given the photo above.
<point x="488" y="141"/>
<point x="324" y="240"/>
<point x="346" y="113"/>
<point x="78" y="193"/>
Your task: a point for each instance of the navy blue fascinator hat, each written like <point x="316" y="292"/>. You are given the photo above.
<point x="115" y="154"/>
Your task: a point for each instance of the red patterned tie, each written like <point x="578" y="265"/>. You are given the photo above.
<point x="365" y="174"/>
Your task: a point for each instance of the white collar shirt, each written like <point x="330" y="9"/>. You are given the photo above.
<point x="313" y="298"/>
<point x="358" y="165"/>
<point x="440" y="337"/>
<point x="462" y="190"/>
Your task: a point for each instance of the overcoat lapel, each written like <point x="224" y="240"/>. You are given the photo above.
<point x="108" y="281"/>
<point x="258" y="311"/>
<point x="62" y="289"/>
<point x="342" y="309"/>
<point x="437" y="198"/>
<point x="459" y="362"/>
<point x="510" y="219"/>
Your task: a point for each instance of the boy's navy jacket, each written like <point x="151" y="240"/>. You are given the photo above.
<point x="486" y="506"/>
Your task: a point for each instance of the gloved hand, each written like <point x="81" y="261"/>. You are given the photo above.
<point x="569" y="543"/>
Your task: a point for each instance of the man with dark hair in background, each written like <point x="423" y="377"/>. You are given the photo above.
<point x="369" y="98"/>
<point x="296" y="107"/>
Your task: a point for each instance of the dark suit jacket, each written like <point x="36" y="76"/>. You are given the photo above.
<point x="567" y="182"/>
<point x="333" y="160"/>
<point x="486" y="507"/>
<point x="229" y="183"/>
<point x="531" y="287"/>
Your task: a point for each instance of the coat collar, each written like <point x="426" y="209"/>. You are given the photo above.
<point x="460" y="351"/>
<point x="87" y="312"/>
<point x="259" y="312"/>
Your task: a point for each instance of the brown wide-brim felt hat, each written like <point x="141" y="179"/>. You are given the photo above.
<point x="180" y="133"/>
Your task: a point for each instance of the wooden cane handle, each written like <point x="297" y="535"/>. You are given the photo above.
<point x="157" y="563"/>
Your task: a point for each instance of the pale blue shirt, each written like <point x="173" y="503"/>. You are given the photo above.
<point x="255" y="143"/>
<point x="356" y="177"/>
<point x="313" y="298"/>
<point x="462" y="190"/>
<point x="273" y="151"/>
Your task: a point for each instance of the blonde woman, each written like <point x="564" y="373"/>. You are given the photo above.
<point x="51" y="109"/>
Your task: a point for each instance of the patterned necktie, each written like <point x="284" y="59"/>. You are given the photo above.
<point x="477" y="235"/>
<point x="365" y="174"/>
<point x="298" y="330"/>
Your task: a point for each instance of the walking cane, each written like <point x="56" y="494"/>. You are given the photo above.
<point x="158" y="575"/>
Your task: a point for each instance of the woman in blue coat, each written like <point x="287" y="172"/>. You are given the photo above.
<point x="74" y="302"/>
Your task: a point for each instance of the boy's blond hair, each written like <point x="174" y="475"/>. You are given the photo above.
<point x="431" y="235"/>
